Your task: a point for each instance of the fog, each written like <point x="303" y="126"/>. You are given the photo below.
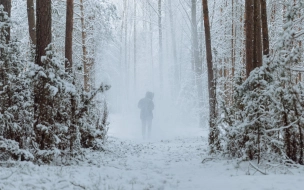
<point x="134" y="63"/>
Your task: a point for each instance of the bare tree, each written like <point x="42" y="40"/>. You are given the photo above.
<point x="233" y="41"/>
<point x="86" y="66"/>
<point x="160" y="38"/>
<point x="173" y="39"/>
<point x="69" y="61"/>
<point x="213" y="134"/>
<point x="265" y="27"/>
<point x="254" y="57"/>
<point x="69" y="36"/>
<point x="257" y="54"/>
<point x="249" y="35"/>
<point x="44" y="28"/>
<point x="151" y="45"/>
<point x="126" y="48"/>
<point x="31" y="20"/>
<point x="197" y="63"/>
<point x="135" y="50"/>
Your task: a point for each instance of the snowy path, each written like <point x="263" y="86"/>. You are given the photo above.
<point x="163" y="163"/>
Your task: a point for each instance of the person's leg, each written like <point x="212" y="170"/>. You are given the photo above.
<point x="143" y="124"/>
<point x="149" y="123"/>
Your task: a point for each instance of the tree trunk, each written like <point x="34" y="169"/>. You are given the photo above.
<point x="86" y="67"/>
<point x="135" y="56"/>
<point x="126" y="61"/>
<point x="254" y="57"/>
<point x="44" y="28"/>
<point x="121" y="90"/>
<point x="258" y="57"/>
<point x="160" y="38"/>
<point x="249" y="35"/>
<point x="151" y="48"/>
<point x="7" y="4"/>
<point x="233" y="42"/>
<point x="197" y="63"/>
<point x="265" y="28"/>
<point x="31" y="21"/>
<point x="69" y="65"/>
<point x="201" y="38"/>
<point x="233" y="53"/>
<point x="69" y="36"/>
<point x="69" y="40"/>
<point x="176" y="73"/>
<point x="213" y="132"/>
<point x="44" y="38"/>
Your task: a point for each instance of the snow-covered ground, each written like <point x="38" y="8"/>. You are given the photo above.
<point x="171" y="159"/>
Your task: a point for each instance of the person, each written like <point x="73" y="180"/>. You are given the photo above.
<point x="146" y="107"/>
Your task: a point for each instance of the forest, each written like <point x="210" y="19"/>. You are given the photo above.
<point x="225" y="77"/>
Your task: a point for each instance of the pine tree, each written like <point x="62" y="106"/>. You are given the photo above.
<point x="267" y="122"/>
<point x="15" y="128"/>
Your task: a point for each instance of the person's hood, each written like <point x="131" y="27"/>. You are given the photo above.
<point x="149" y="95"/>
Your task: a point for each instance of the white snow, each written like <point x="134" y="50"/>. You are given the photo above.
<point x="170" y="160"/>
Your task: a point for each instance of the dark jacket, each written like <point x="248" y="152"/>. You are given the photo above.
<point x="146" y="106"/>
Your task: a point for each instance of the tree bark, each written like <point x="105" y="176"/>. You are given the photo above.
<point x="135" y="55"/>
<point x="197" y="63"/>
<point x="176" y="72"/>
<point x="160" y="39"/>
<point x="151" y="47"/>
<point x="249" y="13"/>
<point x="69" y="36"/>
<point x="86" y="68"/>
<point x="265" y="28"/>
<point x="7" y="4"/>
<point x="233" y="42"/>
<point x="126" y="50"/>
<point x="44" y="38"/>
<point x="213" y="132"/>
<point x="69" y="65"/>
<point x="254" y="50"/>
<point x="31" y="20"/>
<point x="258" y="56"/>
<point x="44" y="28"/>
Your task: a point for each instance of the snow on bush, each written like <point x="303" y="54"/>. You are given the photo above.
<point x="266" y="119"/>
